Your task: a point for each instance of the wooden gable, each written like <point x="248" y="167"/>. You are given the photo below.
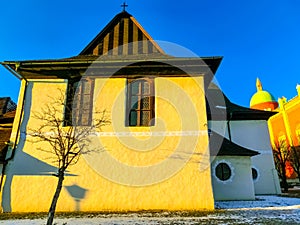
<point x="122" y="36"/>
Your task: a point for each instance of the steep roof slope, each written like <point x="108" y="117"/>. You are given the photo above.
<point x="123" y="35"/>
<point x="6" y="105"/>
<point x="221" y="146"/>
<point x="219" y="107"/>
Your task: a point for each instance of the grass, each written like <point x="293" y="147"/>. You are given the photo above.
<point x="215" y="217"/>
<point x="16" y="216"/>
<point x="105" y="214"/>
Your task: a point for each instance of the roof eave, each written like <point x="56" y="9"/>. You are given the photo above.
<point x="65" y="68"/>
<point x="12" y="67"/>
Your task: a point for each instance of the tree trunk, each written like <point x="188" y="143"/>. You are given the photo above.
<point x="298" y="174"/>
<point x="285" y="185"/>
<point x="284" y="179"/>
<point x="55" y="197"/>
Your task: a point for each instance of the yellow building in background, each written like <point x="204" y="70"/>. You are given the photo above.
<point x="284" y="125"/>
<point x="153" y="156"/>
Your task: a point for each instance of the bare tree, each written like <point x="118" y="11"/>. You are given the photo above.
<point x="65" y="143"/>
<point x="281" y="154"/>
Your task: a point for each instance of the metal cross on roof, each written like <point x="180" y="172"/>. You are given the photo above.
<point x="124" y="6"/>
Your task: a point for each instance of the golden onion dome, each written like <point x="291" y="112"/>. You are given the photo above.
<point x="262" y="99"/>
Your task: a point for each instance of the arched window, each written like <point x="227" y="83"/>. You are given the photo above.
<point x="140" y="102"/>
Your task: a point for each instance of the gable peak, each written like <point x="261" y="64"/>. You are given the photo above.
<point x="123" y="35"/>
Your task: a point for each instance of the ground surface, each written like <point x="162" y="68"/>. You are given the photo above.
<point x="264" y="210"/>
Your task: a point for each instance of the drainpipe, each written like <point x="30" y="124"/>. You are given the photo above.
<point x="228" y="126"/>
<point x="19" y="124"/>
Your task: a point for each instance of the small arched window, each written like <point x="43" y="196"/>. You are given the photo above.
<point x="140" y="102"/>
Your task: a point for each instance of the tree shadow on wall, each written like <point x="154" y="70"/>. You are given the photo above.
<point x="24" y="164"/>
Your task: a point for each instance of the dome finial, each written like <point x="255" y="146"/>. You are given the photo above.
<point x="258" y="85"/>
<point x="298" y="89"/>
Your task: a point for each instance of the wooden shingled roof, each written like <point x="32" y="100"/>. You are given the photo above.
<point x="219" y="107"/>
<point x="7" y="115"/>
<point x="123" y="35"/>
<point x="6" y="121"/>
<point x="122" y="49"/>
<point x="6" y="105"/>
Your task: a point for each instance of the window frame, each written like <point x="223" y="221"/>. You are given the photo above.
<point x="222" y="177"/>
<point x="76" y="91"/>
<point x="140" y="96"/>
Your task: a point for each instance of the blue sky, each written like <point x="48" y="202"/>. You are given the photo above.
<point x="259" y="38"/>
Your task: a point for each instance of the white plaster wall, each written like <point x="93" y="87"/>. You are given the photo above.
<point x="240" y="185"/>
<point x="268" y="181"/>
<point x="254" y="135"/>
<point x="219" y="127"/>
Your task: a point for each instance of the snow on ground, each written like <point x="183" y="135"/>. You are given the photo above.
<point x="264" y="210"/>
<point x="261" y="202"/>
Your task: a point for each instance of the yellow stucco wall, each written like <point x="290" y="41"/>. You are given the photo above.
<point x="165" y="166"/>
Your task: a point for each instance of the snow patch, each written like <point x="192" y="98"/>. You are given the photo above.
<point x="261" y="203"/>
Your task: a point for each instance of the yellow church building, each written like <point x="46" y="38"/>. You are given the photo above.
<point x="151" y="152"/>
<point x="174" y="140"/>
